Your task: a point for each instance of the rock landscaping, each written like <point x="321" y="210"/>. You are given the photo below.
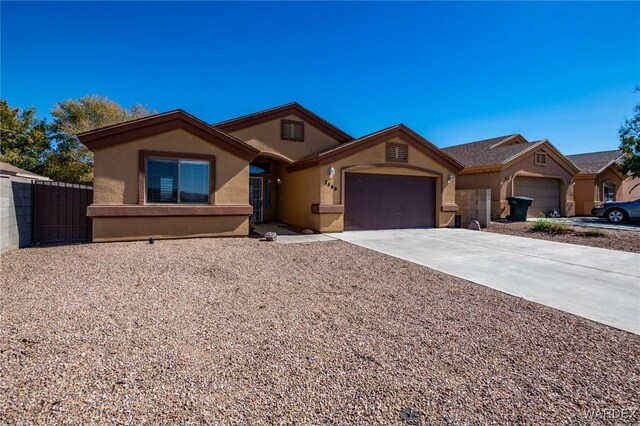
<point x="239" y="331"/>
<point x="581" y="235"/>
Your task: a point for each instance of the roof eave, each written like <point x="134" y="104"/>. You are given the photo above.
<point x="135" y="129"/>
<point x="374" y="138"/>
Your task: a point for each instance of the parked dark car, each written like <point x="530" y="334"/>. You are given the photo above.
<point x="616" y="212"/>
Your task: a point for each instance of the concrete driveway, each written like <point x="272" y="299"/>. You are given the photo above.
<point x="594" y="283"/>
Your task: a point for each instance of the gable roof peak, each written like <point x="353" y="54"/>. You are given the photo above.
<point x="277" y="112"/>
<point x="371" y="139"/>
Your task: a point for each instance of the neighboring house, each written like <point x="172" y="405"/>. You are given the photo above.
<point x="7" y="169"/>
<point x="16" y="206"/>
<point x="600" y="180"/>
<point x="171" y="175"/>
<point x="512" y="166"/>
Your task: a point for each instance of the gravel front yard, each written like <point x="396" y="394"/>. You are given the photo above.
<point x="237" y="331"/>
<point x="612" y="239"/>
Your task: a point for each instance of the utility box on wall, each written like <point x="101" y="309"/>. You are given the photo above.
<point x="474" y="204"/>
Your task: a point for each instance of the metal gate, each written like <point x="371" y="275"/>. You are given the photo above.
<point x="60" y="212"/>
<point x="255" y="198"/>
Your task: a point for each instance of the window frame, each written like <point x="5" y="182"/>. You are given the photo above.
<point x="398" y="146"/>
<point x="145" y="155"/>
<point x="294" y="122"/>
<point x="604" y="191"/>
<point x="535" y="158"/>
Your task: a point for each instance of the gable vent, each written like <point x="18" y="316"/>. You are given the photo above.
<point x="292" y="130"/>
<point x="397" y="152"/>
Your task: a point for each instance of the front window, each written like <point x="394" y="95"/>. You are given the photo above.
<point x="177" y="181"/>
<point x="609" y="192"/>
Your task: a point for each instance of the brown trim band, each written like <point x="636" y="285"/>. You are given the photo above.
<point x="449" y="207"/>
<point x="133" y="210"/>
<point x="142" y="166"/>
<point x="327" y="208"/>
<point x="162" y="123"/>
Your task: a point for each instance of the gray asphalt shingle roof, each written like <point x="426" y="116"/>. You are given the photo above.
<point x="594" y="162"/>
<point x="480" y="153"/>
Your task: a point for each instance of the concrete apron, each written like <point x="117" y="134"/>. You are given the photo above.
<point x="599" y="284"/>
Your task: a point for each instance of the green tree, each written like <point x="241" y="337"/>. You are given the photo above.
<point x="630" y="143"/>
<point x="24" y="138"/>
<point x="71" y="161"/>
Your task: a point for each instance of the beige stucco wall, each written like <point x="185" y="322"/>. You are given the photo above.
<point x="302" y="188"/>
<point x="116" y="168"/>
<point x="631" y="189"/>
<point x="584" y="193"/>
<point x="116" y="183"/>
<point x="502" y="182"/>
<point x="296" y="193"/>
<point x="487" y="180"/>
<point x="266" y="138"/>
<point x="141" y="228"/>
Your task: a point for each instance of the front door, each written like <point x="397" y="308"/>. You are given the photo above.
<point x="255" y="198"/>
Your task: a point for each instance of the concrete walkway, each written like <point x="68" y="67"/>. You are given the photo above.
<point x="286" y="236"/>
<point x="594" y="283"/>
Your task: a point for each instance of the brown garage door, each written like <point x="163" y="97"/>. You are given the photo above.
<point x="388" y="202"/>
<point x="545" y="194"/>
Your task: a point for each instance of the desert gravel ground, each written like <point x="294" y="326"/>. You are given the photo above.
<point x="238" y="331"/>
<point x="612" y="239"/>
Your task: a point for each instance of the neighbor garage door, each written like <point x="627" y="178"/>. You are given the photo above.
<point x="545" y="194"/>
<point x="388" y="202"/>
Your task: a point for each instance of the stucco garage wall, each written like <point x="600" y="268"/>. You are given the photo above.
<point x="310" y="184"/>
<point x="15" y="212"/>
<point x="526" y="167"/>
<point x="116" y="183"/>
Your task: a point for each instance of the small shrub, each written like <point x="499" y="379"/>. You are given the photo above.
<point x="550" y="227"/>
<point x="593" y="233"/>
<point x="541" y="225"/>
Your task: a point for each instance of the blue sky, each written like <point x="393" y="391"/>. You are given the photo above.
<point x="454" y="72"/>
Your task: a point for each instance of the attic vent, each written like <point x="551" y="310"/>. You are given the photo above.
<point x="292" y="130"/>
<point x="397" y="152"/>
<point x="541" y="159"/>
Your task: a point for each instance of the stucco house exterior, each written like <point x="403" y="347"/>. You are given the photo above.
<point x="600" y="180"/>
<point x="513" y="166"/>
<point x="172" y="175"/>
